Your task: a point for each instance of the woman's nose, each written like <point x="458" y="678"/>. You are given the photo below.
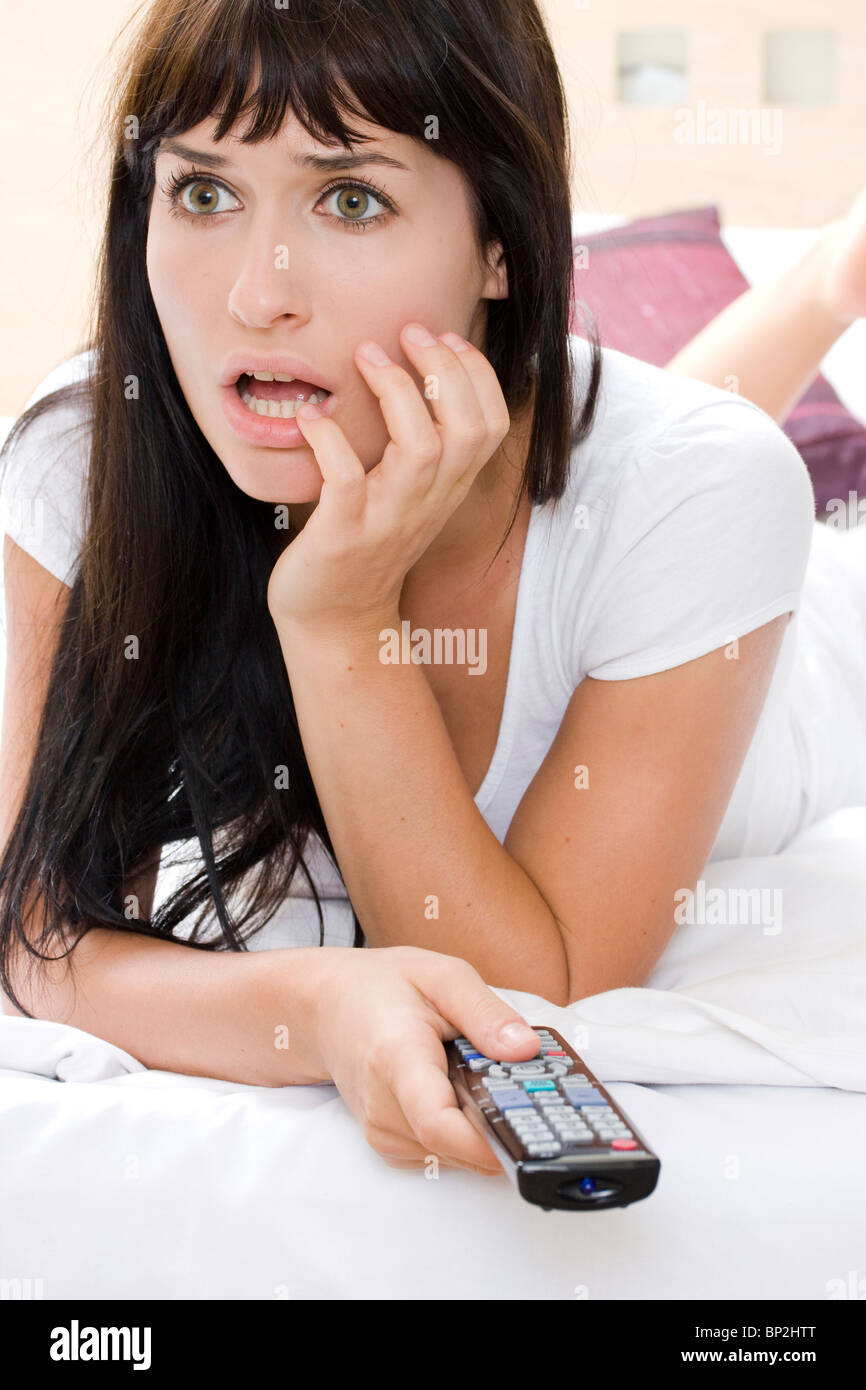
<point x="270" y="282"/>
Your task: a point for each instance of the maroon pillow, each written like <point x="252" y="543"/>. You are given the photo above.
<point x="654" y="283"/>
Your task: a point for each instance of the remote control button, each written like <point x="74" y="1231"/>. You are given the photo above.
<point x="542" y="1084"/>
<point x="555" y="1052"/>
<point x="624" y="1144"/>
<point x="582" y="1095"/>
<point x="512" y="1099"/>
<point x="543" y="1150"/>
<point x="498" y="1070"/>
<point x="547" y="1098"/>
<point x="477" y="1063"/>
<point x="527" y="1068"/>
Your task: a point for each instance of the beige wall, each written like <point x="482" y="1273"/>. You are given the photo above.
<point x="54" y="70"/>
<point x="55" y="66"/>
<point x="628" y="160"/>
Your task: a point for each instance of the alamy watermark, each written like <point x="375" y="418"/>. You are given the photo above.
<point x="458" y="646"/>
<point x="729" y="907"/>
<point x="717" y="125"/>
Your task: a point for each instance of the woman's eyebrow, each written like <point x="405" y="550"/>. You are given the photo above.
<point x="319" y="162"/>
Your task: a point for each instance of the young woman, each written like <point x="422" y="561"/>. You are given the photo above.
<point x="204" y="650"/>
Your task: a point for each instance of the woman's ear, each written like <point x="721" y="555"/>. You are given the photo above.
<point x="496" y="283"/>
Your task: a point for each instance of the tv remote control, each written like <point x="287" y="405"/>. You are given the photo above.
<point x="560" y="1136"/>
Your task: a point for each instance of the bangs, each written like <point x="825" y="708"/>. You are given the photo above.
<point x="249" y="62"/>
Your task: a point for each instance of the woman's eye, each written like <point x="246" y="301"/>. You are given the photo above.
<point x="353" y="202"/>
<point x="198" y="199"/>
<point x="203" y="197"/>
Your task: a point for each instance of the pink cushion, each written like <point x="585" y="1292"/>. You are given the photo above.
<point x="654" y="283"/>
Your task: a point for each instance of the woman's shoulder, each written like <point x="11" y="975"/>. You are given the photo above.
<point x="688" y="515"/>
<point x="44" y="467"/>
<point x="664" y="438"/>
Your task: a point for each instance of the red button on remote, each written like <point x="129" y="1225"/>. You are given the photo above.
<point x="623" y="1144"/>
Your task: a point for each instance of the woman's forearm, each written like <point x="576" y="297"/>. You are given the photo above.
<point x="768" y="344"/>
<point x="420" y="863"/>
<point x="242" y="1016"/>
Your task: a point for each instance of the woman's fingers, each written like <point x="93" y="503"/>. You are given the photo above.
<point x="470" y="418"/>
<point x="427" y="456"/>
<point x="400" y="1152"/>
<point x="486" y="384"/>
<point x="414" y="450"/>
<point x="424" y="1095"/>
<point x="344" y="486"/>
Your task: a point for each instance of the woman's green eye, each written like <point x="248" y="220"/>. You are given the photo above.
<point x="206" y="201"/>
<point x="352" y="200"/>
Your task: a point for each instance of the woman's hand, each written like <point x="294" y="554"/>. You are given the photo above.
<point x="348" y="564"/>
<point x="380" y="1020"/>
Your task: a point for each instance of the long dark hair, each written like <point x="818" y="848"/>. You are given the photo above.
<point x="187" y="740"/>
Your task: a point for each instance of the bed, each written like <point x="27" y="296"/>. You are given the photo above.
<point x="742" y="1061"/>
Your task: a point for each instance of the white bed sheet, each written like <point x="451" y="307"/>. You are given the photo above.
<point x="127" y="1183"/>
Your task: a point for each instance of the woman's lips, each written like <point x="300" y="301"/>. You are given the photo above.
<point x="269" y="430"/>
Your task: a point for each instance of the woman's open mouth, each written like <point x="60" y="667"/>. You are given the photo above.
<point x="261" y="408"/>
<point x="277" y="397"/>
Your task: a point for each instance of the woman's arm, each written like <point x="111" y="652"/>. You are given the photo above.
<point x="662" y="754"/>
<point x="176" y="1008"/>
<point x="421" y="865"/>
<point x="580" y="897"/>
<point x="769" y="343"/>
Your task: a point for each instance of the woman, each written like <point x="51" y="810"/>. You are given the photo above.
<point x="221" y="660"/>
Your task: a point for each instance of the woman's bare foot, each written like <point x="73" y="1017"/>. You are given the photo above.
<point x="843" y="252"/>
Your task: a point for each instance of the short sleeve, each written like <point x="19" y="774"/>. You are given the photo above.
<point x="706" y="538"/>
<point x="44" y="475"/>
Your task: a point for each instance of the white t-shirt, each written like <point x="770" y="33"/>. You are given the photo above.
<point x="688" y="520"/>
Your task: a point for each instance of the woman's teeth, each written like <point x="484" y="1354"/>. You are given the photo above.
<point x="286" y="410"/>
<point x="275" y="409"/>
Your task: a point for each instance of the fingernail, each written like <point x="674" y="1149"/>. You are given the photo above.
<point x="453" y="340"/>
<point x="373" y="353"/>
<point x="417" y="333"/>
<point x="310" y="411"/>
<point x="516" y="1033"/>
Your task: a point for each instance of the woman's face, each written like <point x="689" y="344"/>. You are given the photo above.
<point x="263" y="255"/>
